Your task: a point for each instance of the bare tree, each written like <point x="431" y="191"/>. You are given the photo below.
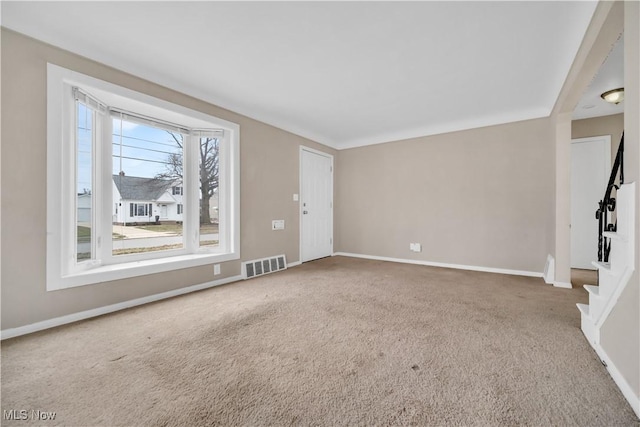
<point x="209" y="170"/>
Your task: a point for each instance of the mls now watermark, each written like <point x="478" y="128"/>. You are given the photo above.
<point x="25" y="414"/>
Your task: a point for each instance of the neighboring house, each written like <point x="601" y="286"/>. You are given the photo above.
<point x="141" y="200"/>
<point x="214" y="212"/>
<point x="84" y="208"/>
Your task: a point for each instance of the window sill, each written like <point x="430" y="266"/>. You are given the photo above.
<point x="107" y="273"/>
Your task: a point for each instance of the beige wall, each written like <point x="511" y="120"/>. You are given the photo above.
<point x="269" y="177"/>
<point x="480" y="197"/>
<point x="620" y="334"/>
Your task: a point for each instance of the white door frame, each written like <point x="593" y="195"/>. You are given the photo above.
<point x="606" y="140"/>
<point x="301" y="197"/>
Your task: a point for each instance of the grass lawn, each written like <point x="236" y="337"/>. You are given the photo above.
<point x="177" y="228"/>
<point x="141" y="250"/>
<point x="84" y="235"/>
<point x="158" y="248"/>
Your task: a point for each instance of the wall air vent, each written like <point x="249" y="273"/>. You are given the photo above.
<point x="260" y="267"/>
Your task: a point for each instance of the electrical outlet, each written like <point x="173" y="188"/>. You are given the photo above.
<point x="277" y="224"/>
<point x="415" y="247"/>
<point x="216" y="269"/>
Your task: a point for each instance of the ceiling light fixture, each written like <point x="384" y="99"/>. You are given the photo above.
<point x="614" y="96"/>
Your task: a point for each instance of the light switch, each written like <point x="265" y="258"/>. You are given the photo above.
<point x="295" y="198"/>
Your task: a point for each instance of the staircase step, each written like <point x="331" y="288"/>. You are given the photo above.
<point x="587" y="325"/>
<point x="615" y="236"/>
<point x="595" y="290"/>
<point x="597" y="301"/>
<point x="604" y="266"/>
<point x="584" y="309"/>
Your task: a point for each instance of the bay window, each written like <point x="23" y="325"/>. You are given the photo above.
<point x="136" y="185"/>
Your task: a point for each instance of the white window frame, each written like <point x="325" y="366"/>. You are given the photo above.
<point x="61" y="206"/>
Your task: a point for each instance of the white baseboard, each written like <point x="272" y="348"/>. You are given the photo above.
<point x="70" y="318"/>
<point x="622" y="384"/>
<point x="444" y="265"/>
<point x="562" y="285"/>
<point x="293" y="264"/>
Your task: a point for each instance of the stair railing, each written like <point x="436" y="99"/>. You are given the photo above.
<point x="608" y="204"/>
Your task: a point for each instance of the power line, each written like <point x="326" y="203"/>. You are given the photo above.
<point x="147" y="149"/>
<point x="141" y="159"/>
<point x="146" y="140"/>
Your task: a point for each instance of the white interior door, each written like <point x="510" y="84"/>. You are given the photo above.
<point x="316" y="204"/>
<point x="590" y="169"/>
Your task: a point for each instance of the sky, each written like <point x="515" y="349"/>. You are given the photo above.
<point x="138" y="150"/>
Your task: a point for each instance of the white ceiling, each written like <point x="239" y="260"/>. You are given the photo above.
<point x="342" y="73"/>
<point x="610" y="76"/>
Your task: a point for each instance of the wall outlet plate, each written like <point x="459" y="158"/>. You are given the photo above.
<point x="277" y="224"/>
<point x="216" y="269"/>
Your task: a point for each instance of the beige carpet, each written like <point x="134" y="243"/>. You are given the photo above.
<point x="580" y="277"/>
<point x="338" y="341"/>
